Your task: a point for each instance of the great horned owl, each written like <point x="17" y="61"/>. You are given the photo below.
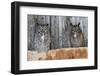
<point x="77" y="37"/>
<point x="42" y="38"/>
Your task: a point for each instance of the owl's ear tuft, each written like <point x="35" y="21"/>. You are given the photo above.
<point x="47" y="24"/>
<point x="37" y="24"/>
<point x="78" y="23"/>
<point x="71" y="24"/>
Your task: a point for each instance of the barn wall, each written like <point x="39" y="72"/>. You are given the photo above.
<point x="59" y="29"/>
<point x="31" y="29"/>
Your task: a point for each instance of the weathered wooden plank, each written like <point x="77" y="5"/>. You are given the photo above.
<point x="84" y="25"/>
<point x="66" y="32"/>
<point x="54" y="32"/>
<point x="31" y="28"/>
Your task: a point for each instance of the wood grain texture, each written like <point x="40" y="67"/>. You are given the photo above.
<point x="58" y="54"/>
<point x="67" y="53"/>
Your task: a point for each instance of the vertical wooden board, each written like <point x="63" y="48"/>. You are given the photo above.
<point x="60" y="30"/>
<point x="43" y="19"/>
<point x="31" y="28"/>
<point x="54" y="32"/>
<point x="66" y="32"/>
<point x="75" y="20"/>
<point x="84" y="26"/>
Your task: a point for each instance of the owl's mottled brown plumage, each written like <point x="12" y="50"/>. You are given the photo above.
<point x="42" y="38"/>
<point x="77" y="37"/>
